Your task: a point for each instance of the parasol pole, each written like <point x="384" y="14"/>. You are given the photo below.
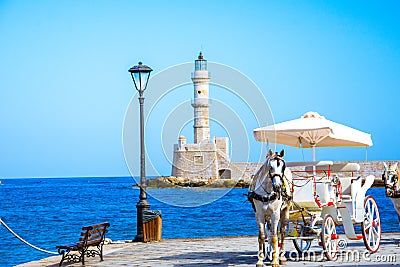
<point x="313" y="152"/>
<point x="313" y="159"/>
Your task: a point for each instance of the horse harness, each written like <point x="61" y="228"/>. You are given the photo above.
<point x="396" y="193"/>
<point x="264" y="198"/>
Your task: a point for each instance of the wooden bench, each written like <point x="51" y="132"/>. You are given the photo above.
<point x="91" y="237"/>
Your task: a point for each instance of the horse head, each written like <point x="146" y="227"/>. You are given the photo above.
<point x="391" y="178"/>
<point x="276" y="169"/>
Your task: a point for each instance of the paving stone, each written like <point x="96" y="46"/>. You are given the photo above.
<point x="234" y="251"/>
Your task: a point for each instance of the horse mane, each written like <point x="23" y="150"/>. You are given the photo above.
<point x="258" y="176"/>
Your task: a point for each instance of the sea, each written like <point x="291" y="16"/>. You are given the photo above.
<point x="50" y="212"/>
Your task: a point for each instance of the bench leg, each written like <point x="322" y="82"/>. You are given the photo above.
<point x="83" y="256"/>
<point x="62" y="259"/>
<point x="69" y="256"/>
<point x="66" y="256"/>
<point x="101" y="252"/>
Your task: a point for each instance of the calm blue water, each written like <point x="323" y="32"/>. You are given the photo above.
<point x="49" y="212"/>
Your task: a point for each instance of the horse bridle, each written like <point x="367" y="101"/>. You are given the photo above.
<point x="278" y="190"/>
<point x="385" y="177"/>
<point x="280" y="175"/>
<point x="395" y="178"/>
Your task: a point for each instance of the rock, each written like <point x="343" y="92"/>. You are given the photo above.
<point x="175" y="182"/>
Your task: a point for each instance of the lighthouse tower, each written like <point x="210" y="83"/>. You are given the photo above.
<point x="200" y="102"/>
<point x="207" y="158"/>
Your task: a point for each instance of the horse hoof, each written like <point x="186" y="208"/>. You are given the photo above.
<point x="275" y="265"/>
<point x="260" y="264"/>
<point x="282" y="260"/>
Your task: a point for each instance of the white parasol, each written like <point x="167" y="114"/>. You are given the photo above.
<point x="312" y="130"/>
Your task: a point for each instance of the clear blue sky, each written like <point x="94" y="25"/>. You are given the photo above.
<point x="64" y="85"/>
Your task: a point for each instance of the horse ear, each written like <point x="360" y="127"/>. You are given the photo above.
<point x="385" y="166"/>
<point x="395" y="166"/>
<point x="282" y="153"/>
<point x="270" y="153"/>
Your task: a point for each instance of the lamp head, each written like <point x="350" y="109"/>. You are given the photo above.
<point x="140" y="76"/>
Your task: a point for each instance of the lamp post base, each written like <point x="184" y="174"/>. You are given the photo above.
<point x="141" y="206"/>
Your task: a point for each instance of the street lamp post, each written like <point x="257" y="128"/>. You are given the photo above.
<point x="140" y="76"/>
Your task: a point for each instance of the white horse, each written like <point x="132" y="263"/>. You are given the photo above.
<point x="392" y="186"/>
<point x="270" y="193"/>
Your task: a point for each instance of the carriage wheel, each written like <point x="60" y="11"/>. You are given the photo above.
<point x="371" y="226"/>
<point x="329" y="238"/>
<point x="302" y="245"/>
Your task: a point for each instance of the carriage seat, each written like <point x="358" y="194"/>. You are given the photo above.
<point x="345" y="167"/>
<point x="346" y="181"/>
<point x="335" y="167"/>
<point x="346" y="187"/>
<point x="308" y="163"/>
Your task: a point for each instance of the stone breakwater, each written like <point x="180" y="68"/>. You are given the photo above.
<point x="367" y="168"/>
<point x="175" y="182"/>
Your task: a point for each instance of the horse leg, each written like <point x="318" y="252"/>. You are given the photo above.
<point x="275" y="248"/>
<point x="261" y="241"/>
<point x="282" y="257"/>
<point x="275" y="258"/>
<point x="284" y="219"/>
<point x="396" y="204"/>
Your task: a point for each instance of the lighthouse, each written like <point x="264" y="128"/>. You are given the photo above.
<point x="206" y="158"/>
<point x="200" y="103"/>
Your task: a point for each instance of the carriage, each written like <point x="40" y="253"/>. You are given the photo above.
<point x="327" y="196"/>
